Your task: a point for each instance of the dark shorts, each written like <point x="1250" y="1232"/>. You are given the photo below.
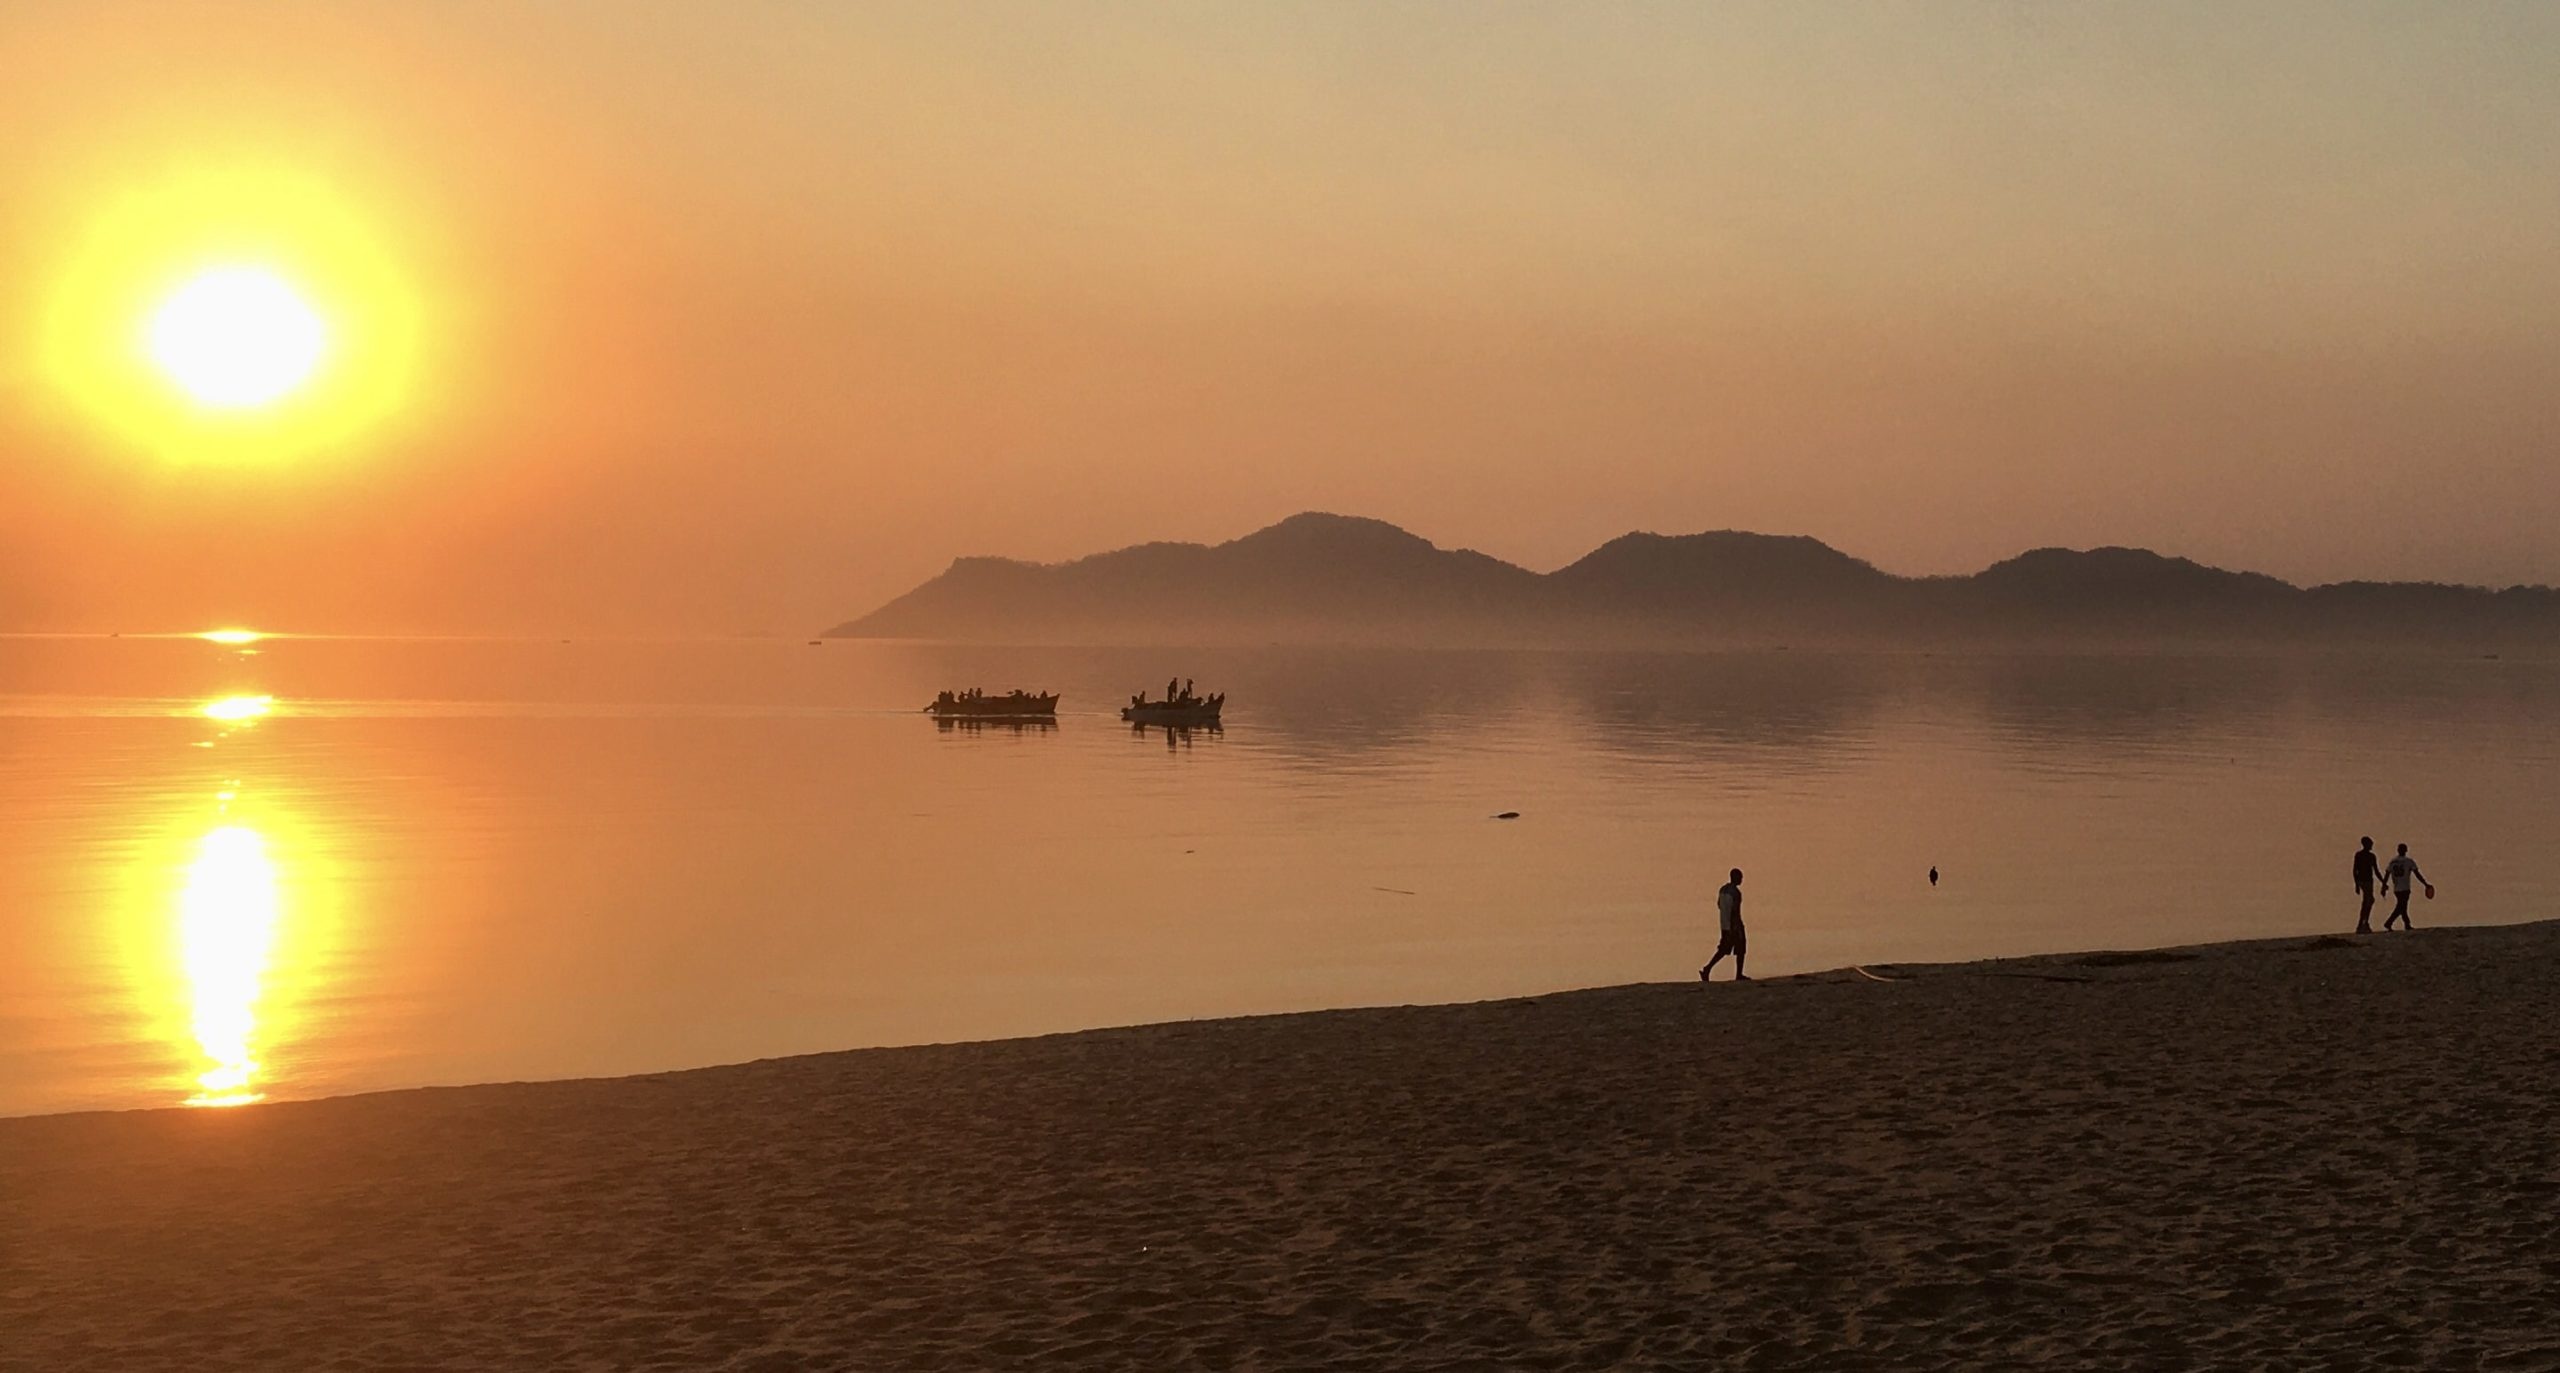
<point x="1731" y="943"/>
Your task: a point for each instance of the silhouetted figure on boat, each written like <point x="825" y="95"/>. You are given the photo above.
<point x="2402" y="869"/>
<point x="1180" y="706"/>
<point x="2366" y="872"/>
<point x="1730" y="939"/>
<point x="976" y="703"/>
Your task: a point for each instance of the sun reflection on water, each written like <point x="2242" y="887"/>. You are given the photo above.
<point x="231" y="636"/>
<point x="237" y="708"/>
<point x="226" y="934"/>
<point x="229" y="920"/>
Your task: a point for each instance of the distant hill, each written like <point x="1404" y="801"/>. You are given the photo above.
<point x="1335" y="578"/>
<point x="1310" y="576"/>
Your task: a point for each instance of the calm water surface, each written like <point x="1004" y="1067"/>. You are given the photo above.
<point x="300" y="866"/>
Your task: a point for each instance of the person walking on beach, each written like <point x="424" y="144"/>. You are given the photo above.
<point x="2368" y="873"/>
<point x="2403" y="868"/>
<point x="1729" y="927"/>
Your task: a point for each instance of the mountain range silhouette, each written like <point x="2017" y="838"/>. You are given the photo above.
<point x="1321" y="578"/>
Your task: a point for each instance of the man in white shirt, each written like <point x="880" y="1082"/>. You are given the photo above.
<point x="2403" y="868"/>
<point x="1729" y="923"/>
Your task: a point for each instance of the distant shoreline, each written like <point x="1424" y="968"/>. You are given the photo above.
<point x="2047" y="963"/>
<point x="1322" y="578"/>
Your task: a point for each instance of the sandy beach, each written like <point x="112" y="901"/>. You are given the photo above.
<point x="2305" y="1153"/>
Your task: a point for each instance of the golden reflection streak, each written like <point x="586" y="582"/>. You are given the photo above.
<point x="227" y="919"/>
<point x="231" y="636"/>
<point x="236" y="708"/>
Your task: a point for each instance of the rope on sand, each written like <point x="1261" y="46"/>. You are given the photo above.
<point x="1871" y="977"/>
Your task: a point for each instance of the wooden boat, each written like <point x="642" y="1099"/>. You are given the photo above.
<point x="974" y="704"/>
<point x="1009" y="724"/>
<point x="1185" y="709"/>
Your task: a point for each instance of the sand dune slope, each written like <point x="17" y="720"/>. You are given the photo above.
<point x="2305" y="1154"/>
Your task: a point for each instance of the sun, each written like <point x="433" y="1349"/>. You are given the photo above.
<point x="240" y="313"/>
<point x="236" y="338"/>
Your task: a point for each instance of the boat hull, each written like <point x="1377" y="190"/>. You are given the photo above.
<point x="1170" y="715"/>
<point x="1010" y="724"/>
<point x="1020" y="706"/>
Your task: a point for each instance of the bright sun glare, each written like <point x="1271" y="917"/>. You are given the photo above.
<point x="235" y="708"/>
<point x="237" y="312"/>
<point x="237" y="337"/>
<point x="227" y="930"/>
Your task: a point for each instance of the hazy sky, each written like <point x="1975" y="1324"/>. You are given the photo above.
<point x="746" y="316"/>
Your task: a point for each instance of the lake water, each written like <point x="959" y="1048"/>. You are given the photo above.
<point x="409" y="862"/>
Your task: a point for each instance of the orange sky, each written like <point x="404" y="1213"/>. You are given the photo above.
<point x="745" y="317"/>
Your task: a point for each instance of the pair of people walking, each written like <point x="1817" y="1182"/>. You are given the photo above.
<point x="2369" y="873"/>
